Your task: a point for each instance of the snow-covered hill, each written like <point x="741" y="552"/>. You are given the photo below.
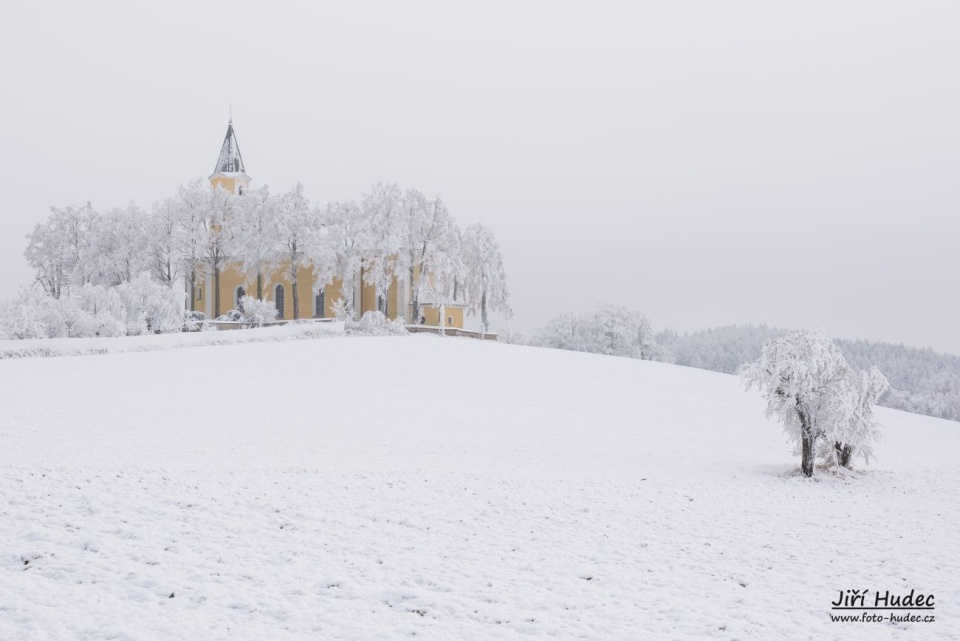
<point x="378" y="488"/>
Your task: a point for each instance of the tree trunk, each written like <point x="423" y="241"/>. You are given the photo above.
<point x="844" y="453"/>
<point x="216" y="293"/>
<point x="259" y="285"/>
<point x="483" y="314"/>
<point x="415" y="311"/>
<point x="807" y="439"/>
<point x="193" y="291"/>
<point x="806" y="463"/>
<point x="296" y="298"/>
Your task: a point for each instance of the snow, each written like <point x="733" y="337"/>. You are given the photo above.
<point x="443" y="488"/>
<point x="147" y="342"/>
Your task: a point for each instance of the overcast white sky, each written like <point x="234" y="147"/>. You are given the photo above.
<point x="788" y="163"/>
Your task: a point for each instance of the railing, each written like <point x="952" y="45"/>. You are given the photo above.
<point x="230" y="325"/>
<point x="451" y="331"/>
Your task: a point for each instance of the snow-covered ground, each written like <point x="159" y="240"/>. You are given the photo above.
<point x="53" y="347"/>
<point x="380" y="488"/>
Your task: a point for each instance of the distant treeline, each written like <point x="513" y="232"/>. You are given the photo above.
<point x="922" y="381"/>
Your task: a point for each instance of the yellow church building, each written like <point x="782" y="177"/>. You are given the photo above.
<point x="231" y="175"/>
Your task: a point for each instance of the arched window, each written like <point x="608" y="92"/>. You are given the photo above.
<point x="240" y="190"/>
<point x="382" y="304"/>
<point x="238" y="298"/>
<point x="319" y="304"/>
<point x="199" y="293"/>
<point x="278" y="300"/>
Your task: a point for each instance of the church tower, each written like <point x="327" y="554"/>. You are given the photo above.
<point x="230" y="172"/>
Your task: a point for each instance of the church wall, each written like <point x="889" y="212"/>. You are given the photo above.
<point x="392" y="299"/>
<point x="332" y="293"/>
<point x="369" y="298"/>
<point x="232" y="278"/>
<point x="432" y="315"/>
<point x="305" y="280"/>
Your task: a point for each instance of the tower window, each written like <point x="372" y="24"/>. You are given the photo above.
<point x="278" y="300"/>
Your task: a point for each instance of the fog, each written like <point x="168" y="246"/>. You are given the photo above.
<point x="794" y="164"/>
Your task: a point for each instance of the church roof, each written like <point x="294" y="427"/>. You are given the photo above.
<point x="230" y="163"/>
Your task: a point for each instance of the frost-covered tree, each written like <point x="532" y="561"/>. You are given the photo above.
<point x="854" y="431"/>
<point x="193" y="233"/>
<point x="255" y="243"/>
<point x="610" y="330"/>
<point x="382" y="213"/>
<point x="346" y="238"/>
<point x="47" y="254"/>
<point x="428" y="245"/>
<point x="163" y="248"/>
<point x="258" y="312"/>
<point x="119" y="245"/>
<point x="486" y="280"/>
<point x="27" y="315"/>
<point x="215" y="222"/>
<point x="801" y="376"/>
<point x="151" y="307"/>
<point x="297" y="224"/>
<point x="374" y="323"/>
<point x="104" y="309"/>
<point x="59" y="249"/>
<point x="444" y="274"/>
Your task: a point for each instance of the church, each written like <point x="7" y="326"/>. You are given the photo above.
<point x="231" y="175"/>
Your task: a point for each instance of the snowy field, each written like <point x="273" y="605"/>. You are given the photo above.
<point x="52" y="347"/>
<point x="400" y="487"/>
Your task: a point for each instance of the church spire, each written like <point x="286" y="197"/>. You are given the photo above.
<point x="230" y="161"/>
<point x="230" y="172"/>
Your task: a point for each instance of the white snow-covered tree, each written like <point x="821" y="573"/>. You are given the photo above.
<point x="486" y="280"/>
<point x="26" y="316"/>
<point x="297" y="224"/>
<point x="151" y="307"/>
<point x="192" y="202"/>
<point x="207" y="227"/>
<point x="429" y="235"/>
<point x="619" y="331"/>
<point x="346" y="238"/>
<point x="382" y="212"/>
<point x="47" y="254"/>
<point x="854" y="430"/>
<point x="444" y="274"/>
<point x="59" y="249"/>
<point x="257" y="311"/>
<point x="610" y="330"/>
<point x="105" y="310"/>
<point x="255" y="242"/>
<point x="119" y="246"/>
<point x="801" y="376"/>
<point x="163" y="247"/>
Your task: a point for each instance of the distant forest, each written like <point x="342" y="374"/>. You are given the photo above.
<point x="922" y="381"/>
